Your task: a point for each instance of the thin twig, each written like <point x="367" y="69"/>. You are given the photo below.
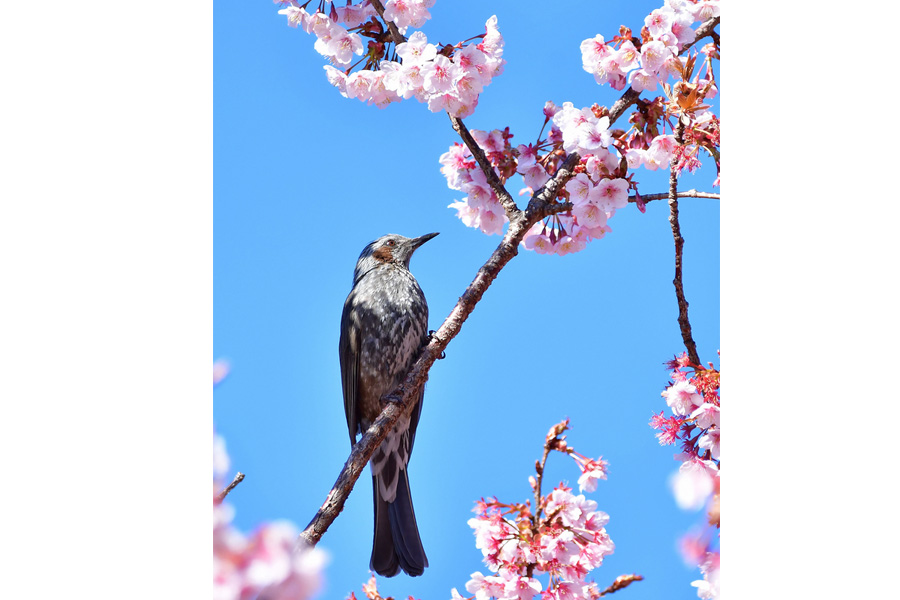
<point x="237" y="479"/>
<point x="622" y="581"/>
<point x="683" y="320"/>
<point x="509" y="205"/>
<point x="685" y="194"/>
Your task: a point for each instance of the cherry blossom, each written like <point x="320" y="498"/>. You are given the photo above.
<point x="264" y="563"/>
<point x="693" y="397"/>
<point x="565" y="539"/>
<point x="408" y="12"/>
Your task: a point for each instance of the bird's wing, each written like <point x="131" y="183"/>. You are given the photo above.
<point x="414" y="420"/>
<point x="348" y="349"/>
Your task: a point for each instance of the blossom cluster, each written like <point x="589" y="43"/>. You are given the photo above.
<point x="598" y="189"/>
<point x="602" y="181"/>
<point x="694" y="400"/>
<point x="449" y="78"/>
<point x="564" y="538"/>
<point x="655" y="57"/>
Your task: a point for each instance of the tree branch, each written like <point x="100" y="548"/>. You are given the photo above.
<point x="683" y="321"/>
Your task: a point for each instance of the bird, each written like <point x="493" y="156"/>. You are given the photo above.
<point x="383" y="327"/>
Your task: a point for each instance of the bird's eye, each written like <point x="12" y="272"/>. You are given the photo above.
<point x="391" y="243"/>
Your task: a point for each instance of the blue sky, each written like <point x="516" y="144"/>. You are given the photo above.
<point x="304" y="178"/>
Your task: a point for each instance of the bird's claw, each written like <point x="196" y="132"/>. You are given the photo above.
<point x="431" y="336"/>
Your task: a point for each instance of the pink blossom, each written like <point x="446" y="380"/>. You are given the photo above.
<point x="440" y="75"/>
<point x="611" y="194"/>
<point x="705" y="10"/>
<point x="658" y="22"/>
<point x="221" y="461"/>
<point x="579" y="188"/>
<point x="354" y="15"/>
<point x="569" y="245"/>
<point x="470" y="216"/>
<point x="635" y="158"/>
<point x="359" y="83"/>
<point x="295" y="15"/>
<point x="456" y="163"/>
<point x="521" y="587"/>
<point x="692" y="485"/>
<point x="538" y="242"/>
<point x="490" y="141"/>
<point x="627" y="56"/>
<point x="642" y="81"/>
<point x="221" y="368"/>
<point x="594" y="136"/>
<point x="592" y="51"/>
<point x="337" y="78"/>
<point x="591" y="472"/>
<point x="708" y="587"/>
<point x="534" y="175"/>
<point x="492" y="44"/>
<point x="550" y="109"/>
<point x="492" y="219"/>
<point x="682" y="397"/>
<point x="416" y="50"/>
<point x="681" y="28"/>
<point x="469" y="58"/>
<point x="601" y="164"/>
<point x="710" y="441"/>
<point x="342" y="45"/>
<point x="706" y="416"/>
<point x="653" y="55"/>
<point x="408" y="12"/>
<point x="608" y="70"/>
<point x="589" y="215"/>
<point x="660" y="151"/>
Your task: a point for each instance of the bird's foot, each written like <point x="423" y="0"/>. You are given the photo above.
<point x="431" y="336"/>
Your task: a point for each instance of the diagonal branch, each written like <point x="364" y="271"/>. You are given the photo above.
<point x="683" y="321"/>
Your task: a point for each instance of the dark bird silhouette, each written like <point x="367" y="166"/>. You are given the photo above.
<point x="383" y="327"/>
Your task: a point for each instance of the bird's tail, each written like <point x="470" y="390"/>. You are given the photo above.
<point x="396" y="544"/>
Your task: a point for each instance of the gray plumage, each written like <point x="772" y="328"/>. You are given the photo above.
<point x="383" y="327"/>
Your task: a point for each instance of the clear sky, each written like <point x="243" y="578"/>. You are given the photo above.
<point x="304" y="178"/>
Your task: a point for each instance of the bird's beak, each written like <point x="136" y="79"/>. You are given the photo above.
<point x="422" y="239"/>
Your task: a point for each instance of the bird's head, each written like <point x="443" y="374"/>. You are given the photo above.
<point x="388" y="249"/>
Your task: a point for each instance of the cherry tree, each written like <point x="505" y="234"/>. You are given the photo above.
<point x="582" y="169"/>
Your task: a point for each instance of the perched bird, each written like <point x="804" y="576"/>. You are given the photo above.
<point x="383" y="327"/>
